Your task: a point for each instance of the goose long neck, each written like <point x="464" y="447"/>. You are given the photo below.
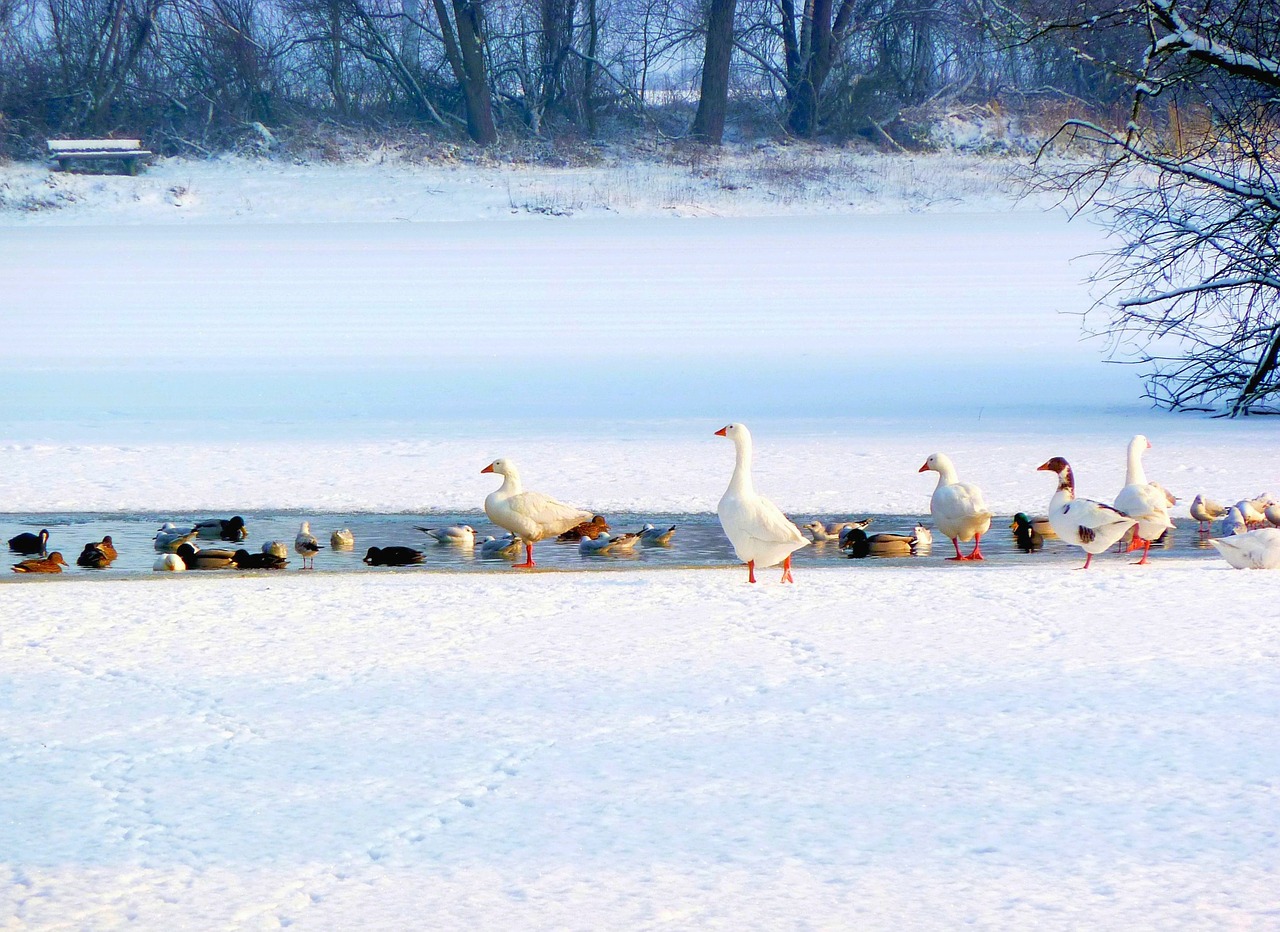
<point x="946" y="474"/>
<point x="511" y="483"/>
<point x="741" y="481"/>
<point x="1066" y="487"/>
<point x="1135" y="474"/>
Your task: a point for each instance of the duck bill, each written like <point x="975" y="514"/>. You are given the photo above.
<point x="721" y="431"/>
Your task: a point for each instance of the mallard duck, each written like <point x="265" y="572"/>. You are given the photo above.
<point x="457" y="535"/>
<point x="757" y="528"/>
<point x="393" y="556"/>
<point x="531" y="516"/>
<point x="858" y="544"/>
<point x="1025" y="535"/>
<point x="228" y="529"/>
<point x="958" y="508"/>
<point x="277" y="548"/>
<point x="244" y="560"/>
<point x="1144" y="501"/>
<point x="590" y="529"/>
<point x="212" y="559"/>
<point x="53" y="563"/>
<point x="94" y="557"/>
<point x="172" y="536"/>
<point x="342" y="540"/>
<point x="651" y="536"/>
<point x="307" y="546"/>
<point x="1091" y="526"/>
<point x="1253" y="550"/>
<point x="27" y="543"/>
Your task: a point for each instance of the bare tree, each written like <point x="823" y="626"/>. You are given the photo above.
<point x="713" y="99"/>
<point x="1190" y="179"/>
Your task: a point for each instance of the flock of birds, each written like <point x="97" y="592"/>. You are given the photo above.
<point x="760" y="533"/>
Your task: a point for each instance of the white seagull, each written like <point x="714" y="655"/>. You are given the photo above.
<point x="1255" y="550"/>
<point x="306" y="545"/>
<point x="460" y="535"/>
<point x="759" y="531"/>
<point x="531" y="516"/>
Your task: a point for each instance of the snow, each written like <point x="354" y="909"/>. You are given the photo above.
<point x="883" y="745"/>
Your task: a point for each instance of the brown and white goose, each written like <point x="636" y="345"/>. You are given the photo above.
<point x="1091" y="526"/>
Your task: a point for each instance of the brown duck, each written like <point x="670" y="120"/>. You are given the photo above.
<point x="53" y="563"/>
<point x="588" y="529"/>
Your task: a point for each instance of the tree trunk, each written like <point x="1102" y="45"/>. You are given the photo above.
<point x="475" y="79"/>
<point x="713" y="101"/>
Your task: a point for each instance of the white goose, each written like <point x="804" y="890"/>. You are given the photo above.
<point x="1255" y="550"/>
<point x="531" y="516"/>
<point x="1206" y="511"/>
<point x="1144" y="501"/>
<point x="1090" y="525"/>
<point x="958" y="508"/>
<point x="759" y="531"/>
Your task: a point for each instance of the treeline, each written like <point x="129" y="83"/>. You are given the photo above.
<point x="192" y="75"/>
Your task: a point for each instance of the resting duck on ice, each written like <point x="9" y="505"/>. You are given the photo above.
<point x="1143" y="501"/>
<point x="1090" y="525"/>
<point x="958" y="508"/>
<point x="759" y="531"/>
<point x="531" y="516"/>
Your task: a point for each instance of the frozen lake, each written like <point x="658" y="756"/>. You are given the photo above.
<point x="341" y="328"/>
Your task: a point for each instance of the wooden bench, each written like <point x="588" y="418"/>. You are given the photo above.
<point x="128" y="152"/>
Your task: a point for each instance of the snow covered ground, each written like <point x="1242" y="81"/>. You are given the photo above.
<point x="916" y="745"/>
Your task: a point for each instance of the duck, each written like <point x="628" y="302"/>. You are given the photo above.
<point x="651" y="536"/>
<point x="1025" y="535"/>
<point x="506" y="547"/>
<point x="94" y="557"/>
<point x="28" y="543"/>
<point x="1253" y="550"/>
<point x="107" y="546"/>
<point x="212" y="559"/>
<point x="1144" y="501"/>
<point x="858" y="544"/>
<point x="459" y="535"/>
<point x="244" y="560"/>
<point x="531" y="516"/>
<point x="171" y="536"/>
<point x="169" y="563"/>
<point x="757" y="528"/>
<point x="228" y="529"/>
<point x="306" y="545"/>
<point x="1206" y="511"/>
<point x="277" y="548"/>
<point x="393" y="556"/>
<point x="53" y="563"/>
<point x="605" y="545"/>
<point x="1091" y="526"/>
<point x="342" y="540"/>
<point x="958" y="508"/>
<point x="590" y="529"/>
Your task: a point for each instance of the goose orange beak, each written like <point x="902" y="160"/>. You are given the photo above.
<point x="1044" y="466"/>
<point x="721" y="431"/>
<point x="488" y="468"/>
<point x="924" y="468"/>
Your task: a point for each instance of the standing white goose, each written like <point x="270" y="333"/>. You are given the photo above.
<point x="1144" y="501"/>
<point x="1254" y="550"/>
<point x="958" y="508"/>
<point x="759" y="531"/>
<point x="306" y="545"/>
<point x="531" y="516"/>
<point x="1090" y="525"/>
